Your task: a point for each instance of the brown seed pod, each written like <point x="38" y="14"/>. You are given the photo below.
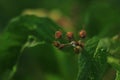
<point x="82" y="33"/>
<point x="69" y="35"/>
<point x="58" y="34"/>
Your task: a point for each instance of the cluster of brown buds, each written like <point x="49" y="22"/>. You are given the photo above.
<point x="77" y="45"/>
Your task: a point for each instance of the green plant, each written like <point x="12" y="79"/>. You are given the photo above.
<point x="27" y="53"/>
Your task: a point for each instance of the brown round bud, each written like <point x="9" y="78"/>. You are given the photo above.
<point x="58" y="34"/>
<point x="69" y="35"/>
<point x="82" y="34"/>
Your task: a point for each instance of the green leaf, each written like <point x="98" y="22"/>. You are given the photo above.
<point x="114" y="62"/>
<point x="17" y="33"/>
<point x="118" y="75"/>
<point x="8" y="52"/>
<point x="114" y="58"/>
<point x="93" y="59"/>
<point x="23" y="26"/>
<point x="39" y="59"/>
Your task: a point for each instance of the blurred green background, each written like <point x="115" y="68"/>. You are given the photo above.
<point x="99" y="18"/>
<point x="96" y="15"/>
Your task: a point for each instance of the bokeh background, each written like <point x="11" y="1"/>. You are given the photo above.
<point x="98" y="17"/>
